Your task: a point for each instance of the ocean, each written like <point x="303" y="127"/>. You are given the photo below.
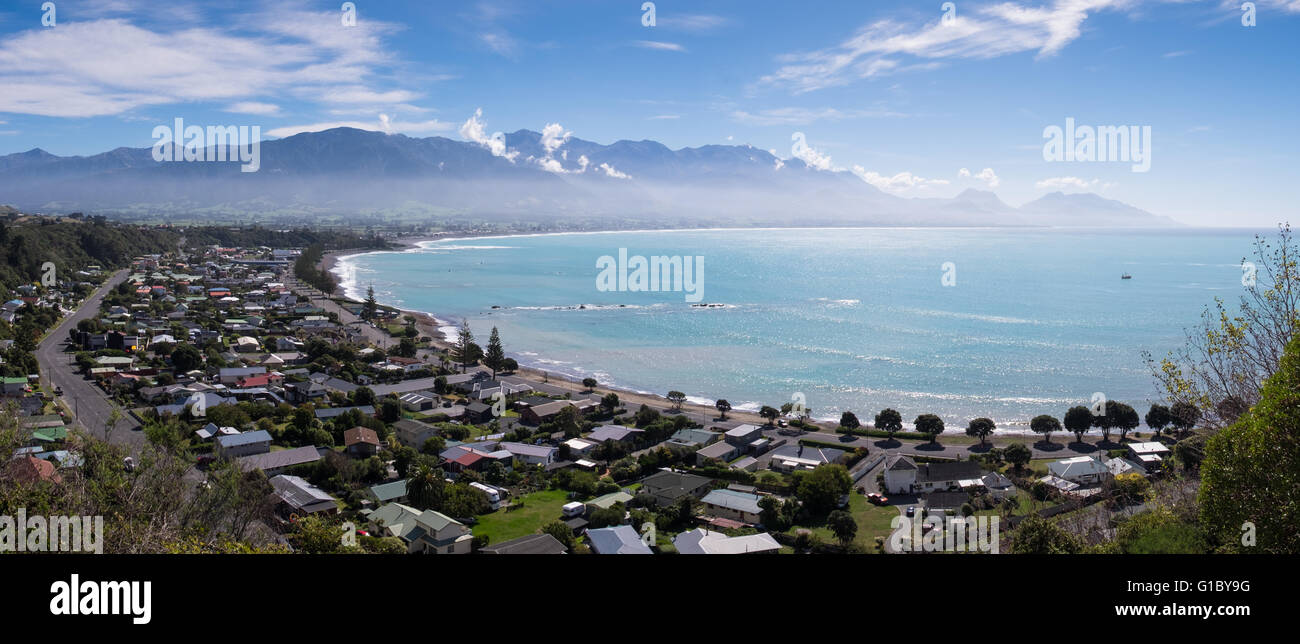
<point x="1003" y="323"/>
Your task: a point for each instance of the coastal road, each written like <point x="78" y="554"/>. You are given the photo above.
<point x="377" y="337"/>
<point x="90" y="405"/>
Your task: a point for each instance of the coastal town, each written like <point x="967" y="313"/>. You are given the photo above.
<point x="358" y="420"/>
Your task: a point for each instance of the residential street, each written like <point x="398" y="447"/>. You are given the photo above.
<point x="88" y="402"/>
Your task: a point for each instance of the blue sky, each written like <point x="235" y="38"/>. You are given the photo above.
<point x="887" y="89"/>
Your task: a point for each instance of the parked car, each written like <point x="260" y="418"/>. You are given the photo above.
<point x="911" y="510"/>
<point x="877" y="498"/>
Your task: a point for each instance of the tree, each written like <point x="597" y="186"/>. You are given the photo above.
<point x="426" y="488"/>
<point x="1157" y="417"/>
<point x="114" y="417"/>
<point x="890" y="421"/>
<point x="842" y="526"/>
<point x="1184" y="416"/>
<point x="849" y="422"/>
<point x="1045" y="424"/>
<point x="770" y="516"/>
<point x="1126" y="420"/>
<point x="495" y="356"/>
<point x="1251" y="469"/>
<point x="509" y="365"/>
<point x="930" y="425"/>
<point x="723" y="407"/>
<point x="186" y="357"/>
<point x="1038" y="536"/>
<point x="363" y="396"/>
<point x="980" y="428"/>
<point x="1018" y="455"/>
<point x="820" y="490"/>
<point x="561" y="531"/>
<point x="609" y="401"/>
<point x="464" y="351"/>
<point x="590" y="383"/>
<point x="1117" y="416"/>
<point x="676" y="398"/>
<point x="770" y="413"/>
<point x="371" y="309"/>
<point x="1078" y="420"/>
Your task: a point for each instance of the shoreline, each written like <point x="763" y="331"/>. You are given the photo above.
<point x="428" y="324"/>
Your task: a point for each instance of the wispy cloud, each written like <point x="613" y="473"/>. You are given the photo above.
<point x="692" y="22"/>
<point x="254" y="107"/>
<point x="901" y="182"/>
<point x="1065" y="183"/>
<point x="987" y="176"/>
<point x="888" y="46"/>
<point x="655" y="44"/>
<point x="803" y="116"/>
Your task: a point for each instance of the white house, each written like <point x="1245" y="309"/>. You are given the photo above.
<point x="1084" y="470"/>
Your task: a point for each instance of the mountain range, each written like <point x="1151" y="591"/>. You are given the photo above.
<point x="524" y="174"/>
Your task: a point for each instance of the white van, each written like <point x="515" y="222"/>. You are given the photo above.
<point x="575" y="509"/>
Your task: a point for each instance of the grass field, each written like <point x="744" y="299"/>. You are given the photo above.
<point x="539" y="509"/>
<point x="873" y="521"/>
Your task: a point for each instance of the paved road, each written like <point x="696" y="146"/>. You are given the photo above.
<point x="377" y="337"/>
<point x="88" y="402"/>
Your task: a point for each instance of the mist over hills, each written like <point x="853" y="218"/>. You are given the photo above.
<point x="347" y="170"/>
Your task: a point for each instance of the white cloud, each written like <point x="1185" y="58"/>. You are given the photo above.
<point x="554" y="136"/>
<point x="655" y="44"/>
<point x="664" y="117"/>
<point x="611" y="172"/>
<point x="986" y="175"/>
<point x="887" y="46"/>
<point x="254" y="107"/>
<point x="691" y="22"/>
<point x="382" y="123"/>
<point x="1065" y="183"/>
<point x="804" y="116"/>
<point x="474" y="129"/>
<point x="499" y="42"/>
<point x="901" y="182"/>
<point x="810" y="156"/>
<point x="113" y="66"/>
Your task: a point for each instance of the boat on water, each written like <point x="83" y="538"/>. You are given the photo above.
<point x="1126" y="276"/>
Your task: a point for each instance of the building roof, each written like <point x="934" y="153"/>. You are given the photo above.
<point x="741" y="431"/>
<point x="1149" y="447"/>
<point x="900" y="462"/>
<point x="280" y="459"/>
<point x="948" y="471"/>
<point x="612" y="432"/>
<point x="246" y="438"/>
<point x="810" y="454"/>
<point x="733" y="500"/>
<point x="1076" y="467"/>
<point x="706" y="542"/>
<point x="945" y="500"/>
<point x="533" y="544"/>
<point x="617" y="540"/>
<point x="360" y="435"/>
<point x="386" y="492"/>
<point x="525" y="449"/>
<point x="301" y="495"/>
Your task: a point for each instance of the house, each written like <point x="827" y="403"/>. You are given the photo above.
<point x="747" y="438"/>
<point x="394" y="492"/>
<point x="273" y="463"/>
<point x="29" y="469"/>
<point x="423" y="532"/>
<point x="706" y="542"/>
<point x="413" y="433"/>
<point x="694" y="438"/>
<point x="667" y="486"/>
<point x="607" y="501"/>
<point x="533" y="544"/>
<point x="538" y="414"/>
<point x="232" y="375"/>
<point x="731" y="504"/>
<point x="13" y="386"/>
<point x="302" y="498"/>
<point x="1084" y="470"/>
<point x="1119" y="466"/>
<point x="905" y="476"/>
<point x="722" y="451"/>
<point x="1150" y="455"/>
<point x="335" y="412"/>
<point x="211" y="431"/>
<point x="789" y="458"/>
<point x="617" y="540"/>
<point x="417" y="401"/>
<point x="478" y="412"/>
<point x="530" y="454"/>
<point x="617" y="433"/>
<point x="245" y="444"/>
<point x="361" y="441"/>
<point x="580" y="447"/>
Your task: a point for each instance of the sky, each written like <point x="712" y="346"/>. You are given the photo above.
<point x="921" y="99"/>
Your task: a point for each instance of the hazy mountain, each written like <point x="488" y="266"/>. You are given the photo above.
<point x="345" y="170"/>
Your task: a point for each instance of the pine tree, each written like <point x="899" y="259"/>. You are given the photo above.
<point x="372" y="307"/>
<point x="496" y="356"/>
<point x="464" y="350"/>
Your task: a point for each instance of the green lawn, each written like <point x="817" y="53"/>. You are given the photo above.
<point x="539" y="509"/>
<point x="873" y="521"/>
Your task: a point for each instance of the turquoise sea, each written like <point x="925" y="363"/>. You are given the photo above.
<point x="1030" y="321"/>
